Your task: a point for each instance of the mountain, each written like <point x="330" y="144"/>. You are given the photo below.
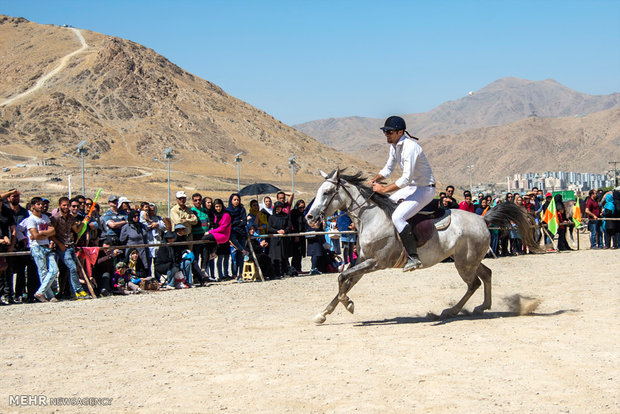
<point x="59" y="86"/>
<point x="575" y="143"/>
<point x="501" y="102"/>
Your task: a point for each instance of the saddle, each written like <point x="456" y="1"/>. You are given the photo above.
<point x="428" y="221"/>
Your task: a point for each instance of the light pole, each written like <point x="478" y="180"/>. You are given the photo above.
<point x="81" y="150"/>
<point x="168" y="155"/>
<point x="471" y="188"/>
<point x="238" y="159"/>
<point x="291" y="162"/>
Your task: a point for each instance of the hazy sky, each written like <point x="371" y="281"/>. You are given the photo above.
<point x="305" y="60"/>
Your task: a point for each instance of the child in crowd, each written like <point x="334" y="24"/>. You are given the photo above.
<point x="121" y="282"/>
<point x="138" y="272"/>
<point x="144" y="213"/>
<point x="335" y="263"/>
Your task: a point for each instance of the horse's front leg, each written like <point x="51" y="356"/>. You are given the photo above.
<point x="346" y="281"/>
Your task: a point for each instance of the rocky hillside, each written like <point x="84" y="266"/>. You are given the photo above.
<point x="131" y="104"/>
<point x="503" y="101"/>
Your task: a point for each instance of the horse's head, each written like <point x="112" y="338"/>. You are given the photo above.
<point x="329" y="198"/>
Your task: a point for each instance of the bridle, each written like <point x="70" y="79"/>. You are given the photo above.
<point x="338" y="185"/>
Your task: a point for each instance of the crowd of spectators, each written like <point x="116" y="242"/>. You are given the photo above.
<point x="76" y="242"/>
<point x="604" y="234"/>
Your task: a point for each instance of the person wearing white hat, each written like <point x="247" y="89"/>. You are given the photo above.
<point x="124" y="204"/>
<point x="182" y="214"/>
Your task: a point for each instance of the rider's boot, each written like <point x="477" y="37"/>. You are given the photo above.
<point x="409" y="241"/>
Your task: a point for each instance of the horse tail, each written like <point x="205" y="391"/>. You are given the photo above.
<point x="502" y="214"/>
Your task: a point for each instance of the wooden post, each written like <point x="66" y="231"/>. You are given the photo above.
<point x="83" y="272"/>
<point x="578" y="234"/>
<point x="260" y="272"/>
<point x="551" y="237"/>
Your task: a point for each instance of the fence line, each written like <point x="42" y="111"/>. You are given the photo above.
<point x="264" y="236"/>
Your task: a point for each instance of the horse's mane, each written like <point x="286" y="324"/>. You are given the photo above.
<point x="358" y="180"/>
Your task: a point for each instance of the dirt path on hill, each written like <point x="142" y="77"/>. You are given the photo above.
<point x="49" y="75"/>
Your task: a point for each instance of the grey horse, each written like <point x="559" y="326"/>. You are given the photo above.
<point x="466" y="240"/>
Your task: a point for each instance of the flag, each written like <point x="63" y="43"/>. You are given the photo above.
<point x="85" y="226"/>
<point x="577" y="214"/>
<point x="551" y="217"/>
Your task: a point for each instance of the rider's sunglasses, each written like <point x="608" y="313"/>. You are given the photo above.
<point x="389" y="131"/>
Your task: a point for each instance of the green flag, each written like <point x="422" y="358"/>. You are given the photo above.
<point x="551" y="217"/>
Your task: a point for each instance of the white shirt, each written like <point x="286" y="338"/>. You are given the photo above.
<point x="21" y="232"/>
<point x="408" y="154"/>
<point x="40" y="223"/>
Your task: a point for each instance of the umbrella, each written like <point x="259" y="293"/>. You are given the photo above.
<point x="258" y="188"/>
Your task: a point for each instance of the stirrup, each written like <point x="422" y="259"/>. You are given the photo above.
<point x="413" y="263"/>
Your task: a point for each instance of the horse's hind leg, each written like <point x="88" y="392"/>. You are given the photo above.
<point x="484" y="273"/>
<point x="473" y="283"/>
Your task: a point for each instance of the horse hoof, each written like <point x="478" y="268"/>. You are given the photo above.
<point x="447" y="313"/>
<point x="479" y="310"/>
<point x="351" y="306"/>
<point x="319" y="319"/>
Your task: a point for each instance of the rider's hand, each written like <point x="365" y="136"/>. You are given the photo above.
<point x="378" y="188"/>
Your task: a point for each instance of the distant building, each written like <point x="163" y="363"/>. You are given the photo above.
<point x="557" y="181"/>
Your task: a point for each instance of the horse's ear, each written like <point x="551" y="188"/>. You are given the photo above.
<point x="323" y="174"/>
<point x="337" y="175"/>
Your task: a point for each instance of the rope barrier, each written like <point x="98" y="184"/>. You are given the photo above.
<point x="306" y="235"/>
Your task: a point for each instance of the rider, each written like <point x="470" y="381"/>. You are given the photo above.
<point x="414" y="189"/>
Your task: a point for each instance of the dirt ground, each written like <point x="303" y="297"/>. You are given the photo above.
<point x="252" y="347"/>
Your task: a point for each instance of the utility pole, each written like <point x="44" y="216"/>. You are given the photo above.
<point x="615" y="164"/>
<point x="291" y="162"/>
<point x="82" y="150"/>
<point x="470" y="169"/>
<point x="168" y="156"/>
<point x="238" y="159"/>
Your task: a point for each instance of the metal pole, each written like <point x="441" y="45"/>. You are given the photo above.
<point x="238" y="184"/>
<point x="615" y="163"/>
<point x="168" y="186"/>
<point x="83" y="186"/>
<point x="292" y="178"/>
